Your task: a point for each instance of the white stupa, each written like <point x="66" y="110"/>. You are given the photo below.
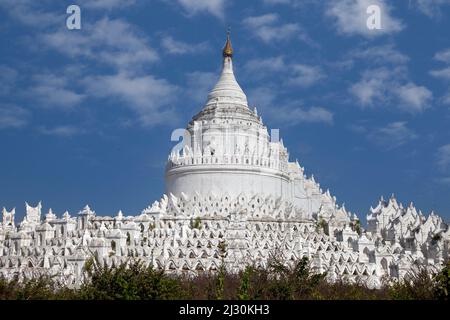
<point x="228" y="151"/>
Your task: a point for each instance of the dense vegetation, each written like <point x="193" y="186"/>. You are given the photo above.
<point x="136" y="281"/>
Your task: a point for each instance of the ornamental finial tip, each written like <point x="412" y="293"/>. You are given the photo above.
<point x="228" y="49"/>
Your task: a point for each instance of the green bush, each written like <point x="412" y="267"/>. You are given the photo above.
<point x="41" y="288"/>
<point x="442" y="283"/>
<point x="322" y="225"/>
<point x="196" y="224"/>
<point x="129" y="281"/>
<point x="418" y="284"/>
<point x="135" y="281"/>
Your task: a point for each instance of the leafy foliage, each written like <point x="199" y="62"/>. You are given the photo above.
<point x="442" y="283"/>
<point x="129" y="281"/>
<point x="419" y="284"/>
<point x="356" y="226"/>
<point x="220" y="282"/>
<point x="134" y="280"/>
<point x="196" y="224"/>
<point x="322" y="225"/>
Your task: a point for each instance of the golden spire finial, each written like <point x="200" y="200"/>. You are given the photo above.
<point x="228" y="50"/>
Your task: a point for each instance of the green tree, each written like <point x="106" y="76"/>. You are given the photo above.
<point x="442" y="283"/>
<point x="244" y="286"/>
<point x="220" y="282"/>
<point x="196" y="224"/>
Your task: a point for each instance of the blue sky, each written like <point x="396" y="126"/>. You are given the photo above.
<point x="86" y="115"/>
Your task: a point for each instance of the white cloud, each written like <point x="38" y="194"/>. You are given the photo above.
<point x="304" y="75"/>
<point x="52" y="91"/>
<point x="431" y="8"/>
<point x="30" y="13"/>
<point x="387" y="81"/>
<point x="173" y="46"/>
<point x="371" y="87"/>
<point x="8" y="77"/>
<point x="350" y="17"/>
<point x="277" y="1"/>
<point x="214" y="7"/>
<point x="260" y="68"/>
<point x="446" y="99"/>
<point x="292" y="114"/>
<point x="382" y="85"/>
<point x="260" y="21"/>
<point x="56" y="97"/>
<point x="444" y="180"/>
<point x="13" y="116"/>
<point x="380" y="55"/>
<point x="294" y="74"/>
<point x="296" y="115"/>
<point x="269" y="99"/>
<point x="61" y="131"/>
<point x="119" y="44"/>
<point x="147" y="96"/>
<point x="199" y="84"/>
<point x="291" y="3"/>
<point x="107" y="4"/>
<point x="366" y="90"/>
<point x="287" y="112"/>
<point x="443" y="157"/>
<point x="358" y="128"/>
<point x="262" y="97"/>
<point x="443" y="73"/>
<point x="415" y="98"/>
<point x="393" y="135"/>
<point x="443" y="56"/>
<point x="115" y="42"/>
<point x="268" y="29"/>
